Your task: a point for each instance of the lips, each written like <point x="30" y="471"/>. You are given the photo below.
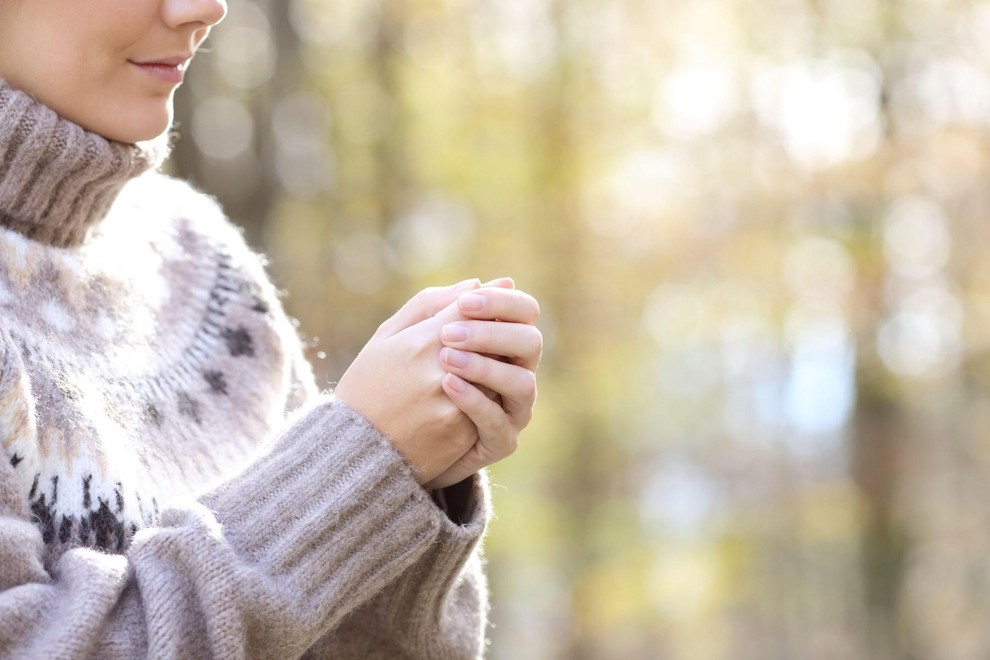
<point x="170" y="69"/>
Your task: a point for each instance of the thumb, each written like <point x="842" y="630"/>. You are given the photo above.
<point x="502" y="283"/>
<point x="424" y="305"/>
<point x="452" y="312"/>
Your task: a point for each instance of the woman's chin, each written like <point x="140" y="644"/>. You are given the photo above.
<point x="138" y="125"/>
<point x="135" y="134"/>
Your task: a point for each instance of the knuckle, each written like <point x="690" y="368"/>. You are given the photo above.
<point x="427" y="293"/>
<point x="509" y="444"/>
<point x="417" y="346"/>
<point x="503" y="426"/>
<point x="486" y="456"/>
<point x="489" y="420"/>
<point x="382" y="328"/>
<point x="421" y="301"/>
<point x="491" y="332"/>
<point x="449" y="416"/>
<point x="417" y="306"/>
<point x="483" y="368"/>
<point x="533" y="309"/>
<point x="535" y="341"/>
<point x="527" y="386"/>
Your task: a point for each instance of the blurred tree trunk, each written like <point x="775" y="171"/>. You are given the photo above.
<point x="881" y="440"/>
<point x="561" y="234"/>
<point x="389" y="149"/>
<point x="246" y="187"/>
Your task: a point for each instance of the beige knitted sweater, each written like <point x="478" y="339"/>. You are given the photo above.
<point x="174" y="485"/>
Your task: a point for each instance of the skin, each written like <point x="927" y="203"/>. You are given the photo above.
<point x="78" y="57"/>
<point x="449" y="378"/>
<point x="451" y="417"/>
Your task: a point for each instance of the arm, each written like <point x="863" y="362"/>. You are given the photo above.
<point x="263" y="566"/>
<point x="436" y="609"/>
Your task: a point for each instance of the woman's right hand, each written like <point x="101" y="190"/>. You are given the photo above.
<point x="395" y="382"/>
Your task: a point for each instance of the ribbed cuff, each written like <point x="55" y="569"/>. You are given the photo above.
<point x="447" y="577"/>
<point x="333" y="510"/>
<point x="436" y="609"/>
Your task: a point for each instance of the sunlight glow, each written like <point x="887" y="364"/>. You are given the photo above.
<point x="819" y="269"/>
<point x="695" y="99"/>
<point x="222" y="128"/>
<point x="820" y="389"/>
<point x="916" y="241"/>
<point x="924" y="335"/>
<point x="826" y="111"/>
<point x="246" y="54"/>
<point x="434" y="232"/>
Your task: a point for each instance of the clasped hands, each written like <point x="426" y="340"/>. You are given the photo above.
<point x="450" y="378"/>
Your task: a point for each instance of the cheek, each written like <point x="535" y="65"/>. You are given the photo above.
<point x="76" y="62"/>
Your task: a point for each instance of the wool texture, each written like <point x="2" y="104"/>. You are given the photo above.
<point x="174" y="484"/>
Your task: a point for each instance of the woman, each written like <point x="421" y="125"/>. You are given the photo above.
<point x="157" y="498"/>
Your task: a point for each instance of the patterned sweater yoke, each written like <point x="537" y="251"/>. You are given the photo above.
<point x="174" y="483"/>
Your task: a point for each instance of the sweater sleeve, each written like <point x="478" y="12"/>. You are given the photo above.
<point x="302" y="543"/>
<point x="437" y="608"/>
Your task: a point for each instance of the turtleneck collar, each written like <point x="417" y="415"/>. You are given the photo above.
<point x="58" y="180"/>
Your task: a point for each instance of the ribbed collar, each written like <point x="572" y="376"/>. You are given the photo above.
<point x="57" y="180"/>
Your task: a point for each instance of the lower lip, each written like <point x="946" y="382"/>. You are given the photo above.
<point x="172" y="74"/>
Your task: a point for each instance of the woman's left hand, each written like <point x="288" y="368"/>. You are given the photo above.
<point x="495" y="349"/>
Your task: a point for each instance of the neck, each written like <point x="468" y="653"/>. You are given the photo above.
<point x="57" y="180"/>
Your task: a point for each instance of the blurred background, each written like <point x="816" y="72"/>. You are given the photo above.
<point x="758" y="230"/>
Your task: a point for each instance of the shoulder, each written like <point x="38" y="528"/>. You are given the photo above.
<point x="184" y="224"/>
<point x="192" y="226"/>
<point x="192" y="235"/>
<point x="169" y="205"/>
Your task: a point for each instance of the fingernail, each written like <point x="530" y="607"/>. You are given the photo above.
<point x="471" y="302"/>
<point x="454" y="332"/>
<point x="455" y="358"/>
<point x="455" y="383"/>
<point x="467" y="284"/>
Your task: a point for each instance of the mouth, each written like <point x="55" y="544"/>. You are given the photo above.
<point x="171" y="70"/>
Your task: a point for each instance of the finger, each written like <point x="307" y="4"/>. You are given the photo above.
<point x="452" y="311"/>
<point x="489" y="392"/>
<point x="424" y="305"/>
<point x="455" y="474"/>
<point x="448" y="314"/>
<point x="497" y="436"/>
<point x="516" y="385"/>
<point x="522" y="344"/>
<point x="497" y="439"/>
<point x="491" y="303"/>
<point x="502" y="282"/>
